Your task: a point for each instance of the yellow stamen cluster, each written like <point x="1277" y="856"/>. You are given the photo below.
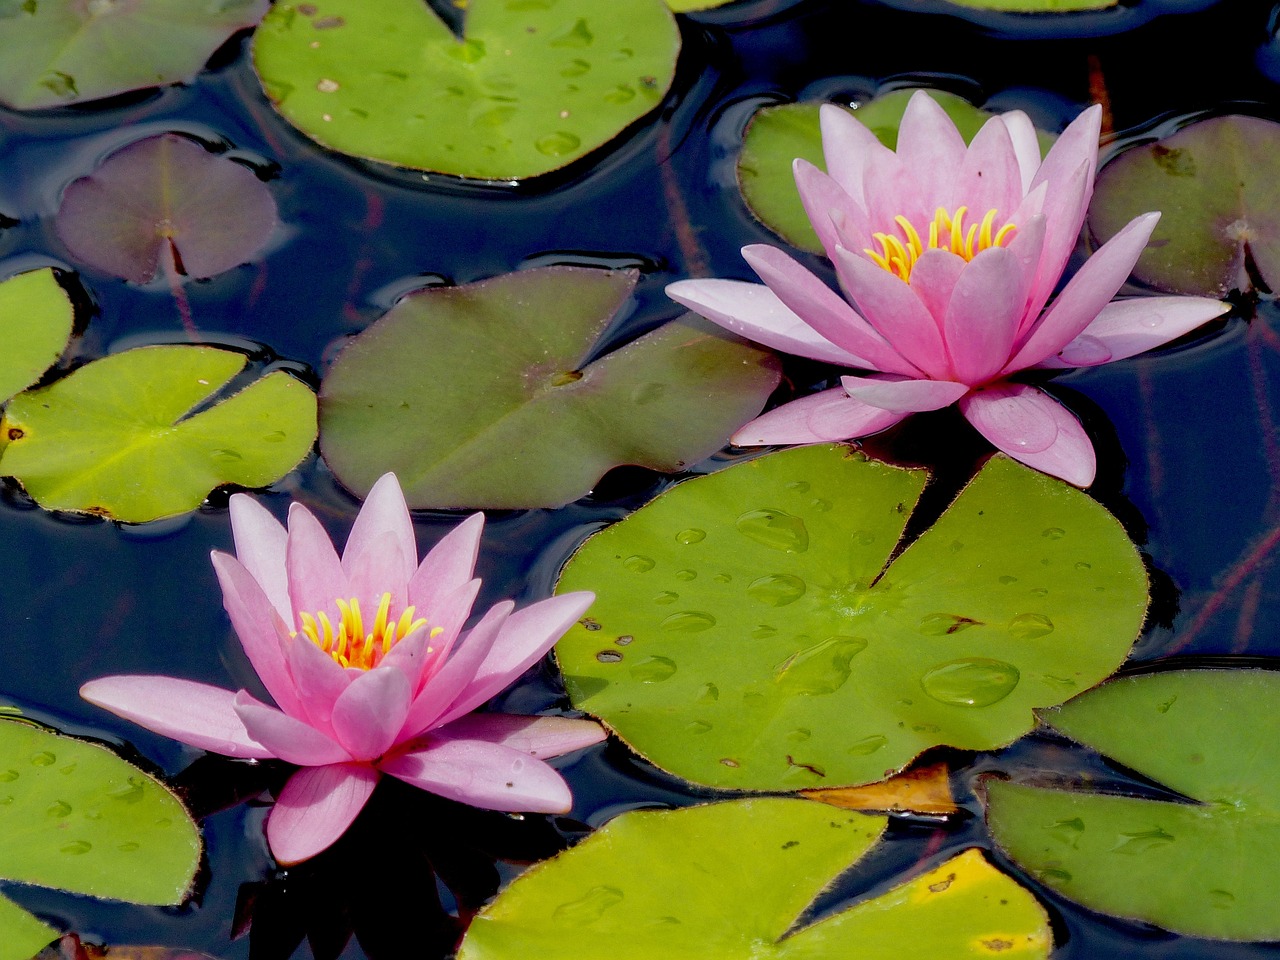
<point x="349" y="644"/>
<point x="898" y="255"/>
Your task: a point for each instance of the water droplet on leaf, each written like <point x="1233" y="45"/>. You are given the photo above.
<point x="971" y="682"/>
<point x="776" y="529"/>
<point x="688" y="621"/>
<point x="820" y="669"/>
<point x="777" y="590"/>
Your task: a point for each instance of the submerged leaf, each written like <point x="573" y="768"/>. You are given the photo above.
<point x="482" y="396"/>
<point x="118" y="437"/>
<point x="530" y="87"/>
<point x="1207" y="866"/>
<point x="166" y="200"/>
<point x="57" y="52"/>
<point x="925" y="790"/>
<point x="748" y="634"/>
<point x="36" y="318"/>
<point x="731" y="880"/>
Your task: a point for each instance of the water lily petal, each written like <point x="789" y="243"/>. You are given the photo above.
<point x="540" y="737"/>
<point x="824" y="310"/>
<point x="444" y="627"/>
<point x="934" y="277"/>
<point x="904" y="396"/>
<point x="193" y="713"/>
<point x="846" y="145"/>
<point x="990" y="177"/>
<point x="889" y="187"/>
<point x="1026" y="144"/>
<point x="315" y="808"/>
<point x="1078" y="144"/>
<point x="318" y="679"/>
<point x="829" y="208"/>
<point x="448" y="565"/>
<point x="1064" y="211"/>
<point x="316" y="577"/>
<point x="289" y="739"/>
<point x="986" y="306"/>
<point x="930" y="147"/>
<point x="370" y="712"/>
<point x="753" y="311"/>
<point x="260" y="545"/>
<point x="381" y="552"/>
<point x="1034" y="429"/>
<point x="818" y="418"/>
<point x="487" y="775"/>
<point x="1128" y="327"/>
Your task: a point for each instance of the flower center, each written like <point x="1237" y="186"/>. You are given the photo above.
<point x="349" y="644"/>
<point x="946" y="231"/>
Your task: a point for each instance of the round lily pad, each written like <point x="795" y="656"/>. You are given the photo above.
<point x="530" y="86"/>
<point x="21" y="933"/>
<point x="1206" y="866"/>
<point x="1217" y="186"/>
<point x="121" y="437"/>
<point x="36" y="318"/>
<point x="747" y="632"/>
<point x="640" y="885"/>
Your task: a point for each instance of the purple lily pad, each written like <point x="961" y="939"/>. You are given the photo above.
<point x="1217" y="184"/>
<point x="166" y="202"/>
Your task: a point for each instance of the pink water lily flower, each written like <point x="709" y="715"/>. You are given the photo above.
<point x="948" y="256"/>
<point x="371" y="672"/>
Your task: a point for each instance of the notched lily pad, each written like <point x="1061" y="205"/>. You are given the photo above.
<point x="118" y="437"/>
<point x="533" y="85"/>
<point x="57" y="52"/>
<point x="482" y="395"/>
<point x="1208" y="866"/>
<point x="36" y="319"/>
<point x="166" y="203"/>
<point x="76" y="817"/>
<point x="641" y="885"/>
<point x="1217" y="186"/>
<point x="748" y="634"/>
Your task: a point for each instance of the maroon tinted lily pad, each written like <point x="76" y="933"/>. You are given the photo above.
<point x="64" y="51"/>
<point x="486" y="395"/>
<point x="166" y="202"/>
<point x="1217" y="184"/>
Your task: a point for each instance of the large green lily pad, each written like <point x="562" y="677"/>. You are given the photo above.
<point x="533" y="85"/>
<point x="483" y="396"/>
<point x="76" y="817"/>
<point x="56" y="52"/>
<point x="1208" y="866"/>
<point x="36" y="318"/>
<point x="778" y="135"/>
<point x="748" y="634"/>
<point x="1217" y="186"/>
<point x="118" y="436"/>
<point x="731" y="880"/>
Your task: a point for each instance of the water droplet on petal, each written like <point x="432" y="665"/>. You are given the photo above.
<point x="820" y="669"/>
<point x="653" y="669"/>
<point x="1029" y="626"/>
<point x="688" y="621"/>
<point x="776" y="529"/>
<point x="777" y="590"/>
<point x="971" y="682"/>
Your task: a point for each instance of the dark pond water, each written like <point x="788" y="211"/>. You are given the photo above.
<point x="1188" y="442"/>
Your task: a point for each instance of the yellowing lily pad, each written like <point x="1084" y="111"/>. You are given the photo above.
<point x="1216" y="184"/>
<point x="483" y="396"/>
<point x="118" y="437"/>
<point x="1208" y="866"/>
<point x="731" y="880"/>
<point x="36" y="318"/>
<point x="751" y="632"/>
<point x="67" y="51"/>
<point x="531" y="86"/>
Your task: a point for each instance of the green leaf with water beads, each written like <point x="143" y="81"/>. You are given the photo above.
<point x="485" y="395"/>
<point x="531" y="86"/>
<point x="21" y="934"/>
<point x="778" y="135"/>
<point x="119" y="438"/>
<point x="1217" y="185"/>
<point x="76" y="817"/>
<point x="57" y="52"/>
<point x="640" y="885"/>
<point x="751" y="632"/>
<point x="693" y="6"/>
<point x="36" y="318"/>
<point x="1205" y="866"/>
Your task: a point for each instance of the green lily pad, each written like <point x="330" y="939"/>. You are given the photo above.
<point x="36" y="318"/>
<point x="533" y="85"/>
<point x="1217" y="185"/>
<point x="693" y="6"/>
<point x="76" y="817"/>
<point x="731" y="880"/>
<point x="56" y="53"/>
<point x="118" y="437"/>
<point x="483" y="396"/>
<point x="1208" y="866"/>
<point x="1036" y="6"/>
<point x="778" y="135"/>
<point x="747" y="633"/>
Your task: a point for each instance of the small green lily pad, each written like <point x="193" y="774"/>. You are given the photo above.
<point x="748" y="634"/>
<point x="68" y="51"/>
<point x="1217" y="186"/>
<point x="1036" y="6"/>
<point x="76" y="817"/>
<point x="36" y="319"/>
<point x="533" y="84"/>
<point x="731" y="880"/>
<point x="483" y="395"/>
<point x="778" y="135"/>
<point x="1208" y="866"/>
<point x="118" y="437"/>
